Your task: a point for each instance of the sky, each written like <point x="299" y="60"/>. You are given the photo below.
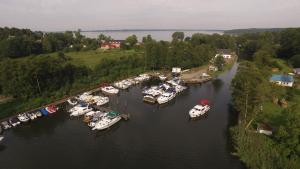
<point x="60" y="15"/>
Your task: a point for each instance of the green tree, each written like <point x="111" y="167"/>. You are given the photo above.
<point x="178" y="36"/>
<point x="219" y="62"/>
<point x="131" y="40"/>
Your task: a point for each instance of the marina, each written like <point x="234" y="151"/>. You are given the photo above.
<point x="149" y="137"/>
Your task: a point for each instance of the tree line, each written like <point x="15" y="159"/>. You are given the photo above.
<point x="185" y="52"/>
<point x="251" y="89"/>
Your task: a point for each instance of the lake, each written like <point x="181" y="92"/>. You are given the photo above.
<point x="156" y="34"/>
<point x="154" y="137"/>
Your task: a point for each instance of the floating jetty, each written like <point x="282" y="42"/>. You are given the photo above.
<point x="197" y="80"/>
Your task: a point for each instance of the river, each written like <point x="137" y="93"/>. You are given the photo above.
<point x="165" y="35"/>
<point x="154" y="137"/>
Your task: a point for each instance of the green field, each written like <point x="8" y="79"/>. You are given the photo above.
<point x="93" y="57"/>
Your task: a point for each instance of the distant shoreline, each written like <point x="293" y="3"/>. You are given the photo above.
<point x="152" y="30"/>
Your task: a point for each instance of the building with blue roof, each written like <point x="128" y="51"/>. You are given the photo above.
<point x="282" y="80"/>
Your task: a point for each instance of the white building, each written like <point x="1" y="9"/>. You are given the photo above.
<point x="226" y="53"/>
<point x="282" y="80"/>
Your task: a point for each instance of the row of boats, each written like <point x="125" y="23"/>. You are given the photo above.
<point x="25" y="118"/>
<point x="164" y="92"/>
<point x="82" y="105"/>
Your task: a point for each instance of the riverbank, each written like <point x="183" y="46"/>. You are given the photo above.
<point x="269" y="122"/>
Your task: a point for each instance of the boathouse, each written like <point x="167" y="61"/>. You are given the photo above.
<point x="226" y="53"/>
<point x="282" y="80"/>
<point x="263" y="128"/>
<point x="111" y="44"/>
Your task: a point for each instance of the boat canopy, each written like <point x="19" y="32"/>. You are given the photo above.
<point x="113" y="114"/>
<point x="44" y="112"/>
<point x="204" y="102"/>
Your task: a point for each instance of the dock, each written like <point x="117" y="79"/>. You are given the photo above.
<point x="197" y="80"/>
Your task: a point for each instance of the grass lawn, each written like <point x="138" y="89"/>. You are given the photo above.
<point x="93" y="57"/>
<point x="272" y="114"/>
<point x="283" y="66"/>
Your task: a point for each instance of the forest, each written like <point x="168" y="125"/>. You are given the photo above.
<point x="260" y="102"/>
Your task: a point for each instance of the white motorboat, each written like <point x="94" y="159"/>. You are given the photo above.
<point x="142" y="77"/>
<point x="80" y="110"/>
<point x="198" y="110"/>
<point x="121" y="85"/>
<point x="85" y="97"/>
<point x="73" y="103"/>
<point x="109" y="90"/>
<point x="32" y="116"/>
<point x="14" y="121"/>
<point x="5" y="125"/>
<point x="102" y="101"/>
<point x="165" y="97"/>
<point x="1" y="138"/>
<point x="105" y="122"/>
<point x="95" y="118"/>
<point x="162" y="77"/>
<point x="153" y="91"/>
<point x="149" y="99"/>
<point x="23" y="117"/>
<point x="180" y="88"/>
<point x="38" y="114"/>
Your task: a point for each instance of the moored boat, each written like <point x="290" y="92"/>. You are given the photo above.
<point x="149" y="98"/>
<point x="14" y="121"/>
<point x="31" y="115"/>
<point x="72" y="102"/>
<point x="5" y="125"/>
<point x="105" y="122"/>
<point x="80" y="110"/>
<point x="23" y="117"/>
<point x="38" y="114"/>
<point x="165" y="97"/>
<point x="109" y="90"/>
<point x="44" y="112"/>
<point x="51" y="109"/>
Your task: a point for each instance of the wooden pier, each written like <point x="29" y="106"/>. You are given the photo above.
<point x="197" y="80"/>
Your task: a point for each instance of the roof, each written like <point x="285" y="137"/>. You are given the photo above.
<point x="224" y="51"/>
<point x="282" y="78"/>
<point x="113" y="114"/>
<point x="297" y="70"/>
<point x="264" y="126"/>
<point x="176" y="70"/>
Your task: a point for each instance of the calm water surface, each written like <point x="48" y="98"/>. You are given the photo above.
<point x="157" y="35"/>
<point x="154" y="137"/>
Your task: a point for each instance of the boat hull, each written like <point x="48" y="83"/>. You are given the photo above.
<point x="114" y="121"/>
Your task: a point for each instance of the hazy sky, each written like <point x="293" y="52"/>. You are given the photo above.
<point x="58" y="15"/>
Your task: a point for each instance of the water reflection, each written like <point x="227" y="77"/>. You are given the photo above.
<point x="217" y="84"/>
